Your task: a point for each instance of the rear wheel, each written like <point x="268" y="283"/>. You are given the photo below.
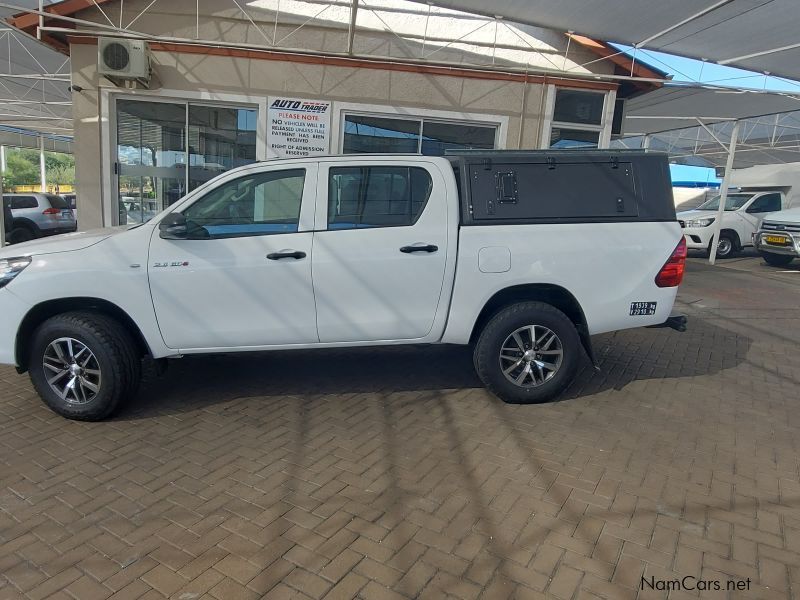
<point x="84" y="365"/>
<point x="527" y="353"/>
<point x="776" y="260"/>
<point x="21" y="234"/>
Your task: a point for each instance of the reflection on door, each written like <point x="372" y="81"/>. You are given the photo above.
<point x="157" y="140"/>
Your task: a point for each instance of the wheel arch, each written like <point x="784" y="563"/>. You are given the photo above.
<point x="737" y="239"/>
<point x="554" y="295"/>
<point x="39" y="313"/>
<point x="27" y="224"/>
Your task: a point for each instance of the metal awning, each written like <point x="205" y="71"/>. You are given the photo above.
<point x="759" y="35"/>
<point x="679" y="106"/>
<point x="34" y="81"/>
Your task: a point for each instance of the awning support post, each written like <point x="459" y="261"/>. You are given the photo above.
<point x="351" y="30"/>
<point x="723" y="193"/>
<point x="42" y="165"/>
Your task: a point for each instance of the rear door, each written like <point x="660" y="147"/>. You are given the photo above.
<point x="380" y="250"/>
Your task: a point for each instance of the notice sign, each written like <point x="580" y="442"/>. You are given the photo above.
<point x="298" y="127"/>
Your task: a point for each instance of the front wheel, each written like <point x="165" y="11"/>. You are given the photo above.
<point x="84" y="365"/>
<point x="527" y="353"/>
<point x="726" y="247"/>
<point x="776" y="260"/>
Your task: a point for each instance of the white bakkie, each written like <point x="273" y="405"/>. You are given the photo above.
<point x="352" y="251"/>
<point x="743" y="214"/>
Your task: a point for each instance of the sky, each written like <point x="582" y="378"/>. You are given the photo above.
<point x="691" y="70"/>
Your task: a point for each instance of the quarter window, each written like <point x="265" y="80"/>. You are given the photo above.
<point x="361" y="197"/>
<point x="258" y="204"/>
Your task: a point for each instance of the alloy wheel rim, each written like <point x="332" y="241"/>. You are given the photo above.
<point x="72" y="370"/>
<point x="531" y="356"/>
<point x="723" y="247"/>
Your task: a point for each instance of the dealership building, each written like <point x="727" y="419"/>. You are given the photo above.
<point x="166" y="95"/>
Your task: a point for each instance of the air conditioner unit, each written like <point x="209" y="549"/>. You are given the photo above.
<point x="123" y="60"/>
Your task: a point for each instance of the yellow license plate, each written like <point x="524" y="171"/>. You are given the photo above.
<point x="777" y="239"/>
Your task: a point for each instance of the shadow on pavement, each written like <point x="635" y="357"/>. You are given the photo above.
<point x="195" y="382"/>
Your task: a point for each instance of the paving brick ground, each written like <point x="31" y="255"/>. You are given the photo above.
<point x="392" y="474"/>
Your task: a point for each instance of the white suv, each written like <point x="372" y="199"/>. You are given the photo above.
<point x="744" y="212"/>
<point x="38" y="215"/>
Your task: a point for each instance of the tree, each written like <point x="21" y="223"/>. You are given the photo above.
<point x="20" y="170"/>
<point x="61" y="175"/>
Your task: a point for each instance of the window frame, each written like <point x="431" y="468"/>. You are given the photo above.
<point x="603" y="129"/>
<point x="329" y="175"/>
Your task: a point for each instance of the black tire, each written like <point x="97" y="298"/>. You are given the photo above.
<point x="727" y="246"/>
<point x="501" y="327"/>
<point x="116" y="357"/>
<point x="21" y="234"/>
<point x="776" y="260"/>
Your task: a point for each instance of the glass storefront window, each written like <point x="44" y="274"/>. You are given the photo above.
<point x="438" y="137"/>
<point x="220" y="138"/>
<point x="577" y="118"/>
<point x="573" y="138"/>
<point x="160" y="159"/>
<point x="366" y="133"/>
<point x="575" y="106"/>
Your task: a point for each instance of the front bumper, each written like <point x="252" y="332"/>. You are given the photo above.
<point x="13" y="311"/>
<point x="698" y="238"/>
<point x="762" y="245"/>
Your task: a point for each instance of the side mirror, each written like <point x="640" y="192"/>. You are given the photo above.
<point x="173" y="227"/>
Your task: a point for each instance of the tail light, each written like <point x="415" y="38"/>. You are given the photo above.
<point x="671" y="274"/>
<point x="51" y="211"/>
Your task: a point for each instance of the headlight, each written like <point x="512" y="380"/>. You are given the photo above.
<point x="700" y="222"/>
<point x="11" y="267"/>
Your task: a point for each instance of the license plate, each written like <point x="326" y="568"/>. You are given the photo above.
<point x="778" y="240"/>
<point x="643" y="308"/>
<point x="66" y="214"/>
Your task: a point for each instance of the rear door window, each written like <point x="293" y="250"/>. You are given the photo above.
<point x="766" y="203"/>
<point x="20" y="202"/>
<point x="380" y="196"/>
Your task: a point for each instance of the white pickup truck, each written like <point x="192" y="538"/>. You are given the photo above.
<point x="522" y="254"/>
<point x="744" y="211"/>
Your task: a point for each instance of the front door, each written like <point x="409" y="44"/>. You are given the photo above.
<point x="243" y="277"/>
<point x="379" y="265"/>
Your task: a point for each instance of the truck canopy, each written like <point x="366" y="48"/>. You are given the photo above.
<point x="563" y="186"/>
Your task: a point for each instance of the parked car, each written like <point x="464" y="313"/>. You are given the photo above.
<point x="524" y="255"/>
<point x="37" y="215"/>
<point x="778" y="238"/>
<point x="72" y="201"/>
<point x="742" y="217"/>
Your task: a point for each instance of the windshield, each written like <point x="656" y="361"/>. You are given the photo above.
<point x="733" y="202"/>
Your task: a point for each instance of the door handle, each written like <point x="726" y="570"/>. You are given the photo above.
<point x="296" y="254"/>
<point x="428" y="248"/>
